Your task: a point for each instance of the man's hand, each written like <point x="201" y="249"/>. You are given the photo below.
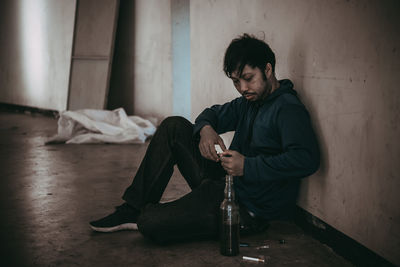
<point x="209" y="138"/>
<point x="233" y="162"/>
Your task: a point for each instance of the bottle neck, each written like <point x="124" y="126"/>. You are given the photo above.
<point x="229" y="190"/>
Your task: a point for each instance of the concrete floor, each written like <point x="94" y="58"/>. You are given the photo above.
<point x="50" y="193"/>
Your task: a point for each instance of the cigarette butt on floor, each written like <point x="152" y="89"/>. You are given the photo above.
<point x="246" y="258"/>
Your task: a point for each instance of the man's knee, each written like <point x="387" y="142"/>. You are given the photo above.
<point x="176" y="125"/>
<point x="175" y="121"/>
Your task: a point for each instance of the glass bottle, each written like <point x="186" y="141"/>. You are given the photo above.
<point x="229" y="228"/>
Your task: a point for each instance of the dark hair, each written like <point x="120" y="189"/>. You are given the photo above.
<point x="247" y="50"/>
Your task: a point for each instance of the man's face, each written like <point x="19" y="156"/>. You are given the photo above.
<point x="252" y="83"/>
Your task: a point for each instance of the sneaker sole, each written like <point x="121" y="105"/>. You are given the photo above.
<point x="124" y="226"/>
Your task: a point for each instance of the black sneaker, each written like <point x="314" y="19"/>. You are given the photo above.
<point x="124" y="218"/>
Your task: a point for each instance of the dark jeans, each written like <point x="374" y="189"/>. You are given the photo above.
<point x="195" y="215"/>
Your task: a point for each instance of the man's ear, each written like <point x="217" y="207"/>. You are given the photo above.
<point x="268" y="70"/>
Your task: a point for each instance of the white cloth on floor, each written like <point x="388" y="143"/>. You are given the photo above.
<point x="101" y="126"/>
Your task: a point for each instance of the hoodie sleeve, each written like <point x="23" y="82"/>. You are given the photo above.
<point x="222" y="118"/>
<point x="300" y="153"/>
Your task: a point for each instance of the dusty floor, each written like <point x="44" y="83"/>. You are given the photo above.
<point x="50" y="193"/>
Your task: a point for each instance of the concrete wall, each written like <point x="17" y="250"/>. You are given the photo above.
<point x="343" y="57"/>
<point x="35" y="52"/>
<point x="152" y="58"/>
<point x="159" y="56"/>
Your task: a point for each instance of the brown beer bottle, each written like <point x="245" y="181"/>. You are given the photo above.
<point x="229" y="228"/>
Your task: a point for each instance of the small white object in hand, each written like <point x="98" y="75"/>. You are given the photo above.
<point x="218" y="149"/>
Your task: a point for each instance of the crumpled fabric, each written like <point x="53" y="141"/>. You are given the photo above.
<point x="91" y="126"/>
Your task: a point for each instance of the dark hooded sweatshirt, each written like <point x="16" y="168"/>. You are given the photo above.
<point x="276" y="137"/>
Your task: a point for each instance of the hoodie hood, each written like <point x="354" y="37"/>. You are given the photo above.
<point x="285" y="87"/>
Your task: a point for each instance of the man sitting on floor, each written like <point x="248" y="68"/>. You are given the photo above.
<point x="273" y="147"/>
